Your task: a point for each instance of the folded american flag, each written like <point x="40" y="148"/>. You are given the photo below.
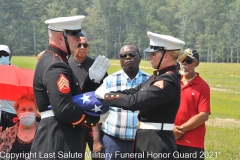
<point x="89" y="104"/>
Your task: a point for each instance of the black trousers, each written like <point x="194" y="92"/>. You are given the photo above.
<point x="187" y="153"/>
<point x="7" y="120"/>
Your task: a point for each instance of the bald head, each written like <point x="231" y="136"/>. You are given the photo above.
<point x="125" y="47"/>
<point x="57" y="39"/>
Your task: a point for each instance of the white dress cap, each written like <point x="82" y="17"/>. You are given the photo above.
<point x="4" y="48"/>
<point x="67" y="23"/>
<point x="160" y="42"/>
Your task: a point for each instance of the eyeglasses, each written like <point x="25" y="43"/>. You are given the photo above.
<point x="130" y="54"/>
<point x="188" y="61"/>
<point x="85" y="45"/>
<point x="5" y="54"/>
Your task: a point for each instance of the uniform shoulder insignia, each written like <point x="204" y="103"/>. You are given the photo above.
<point x="159" y="84"/>
<point x="63" y="84"/>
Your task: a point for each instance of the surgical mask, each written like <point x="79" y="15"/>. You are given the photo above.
<point x="27" y="118"/>
<point x="4" y="60"/>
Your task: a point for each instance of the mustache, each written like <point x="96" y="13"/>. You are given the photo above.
<point x="184" y="67"/>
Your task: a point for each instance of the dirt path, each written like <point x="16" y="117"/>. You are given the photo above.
<point x="224" y="123"/>
<point x="223" y="90"/>
<point x="212" y="88"/>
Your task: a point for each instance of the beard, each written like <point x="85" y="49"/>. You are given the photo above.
<point x="184" y="70"/>
<point x="79" y="53"/>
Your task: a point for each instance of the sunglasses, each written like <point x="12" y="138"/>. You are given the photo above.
<point x="188" y="61"/>
<point x="130" y="54"/>
<point x="85" y="45"/>
<point x="5" y="54"/>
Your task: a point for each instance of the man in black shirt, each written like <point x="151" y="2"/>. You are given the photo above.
<point x="80" y="64"/>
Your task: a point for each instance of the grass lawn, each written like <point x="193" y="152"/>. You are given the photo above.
<point x="223" y="130"/>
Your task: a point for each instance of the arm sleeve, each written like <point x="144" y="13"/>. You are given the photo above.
<point x="204" y="99"/>
<point x="137" y="98"/>
<point x="62" y="105"/>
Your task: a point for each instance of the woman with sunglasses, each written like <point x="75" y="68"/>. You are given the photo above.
<point x="189" y="129"/>
<point x="157" y="100"/>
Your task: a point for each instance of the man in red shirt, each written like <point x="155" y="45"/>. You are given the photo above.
<point x="189" y="128"/>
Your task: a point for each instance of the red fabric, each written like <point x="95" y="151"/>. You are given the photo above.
<point x="15" y="119"/>
<point x="15" y="81"/>
<point x="195" y="98"/>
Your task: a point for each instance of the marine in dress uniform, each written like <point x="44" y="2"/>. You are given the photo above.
<point x="60" y="134"/>
<point x="157" y="100"/>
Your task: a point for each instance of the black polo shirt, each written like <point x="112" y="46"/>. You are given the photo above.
<point x="80" y="69"/>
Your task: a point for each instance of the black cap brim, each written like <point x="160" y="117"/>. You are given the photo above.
<point x="149" y="50"/>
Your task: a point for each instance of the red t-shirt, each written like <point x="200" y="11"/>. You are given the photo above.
<point x="195" y="98"/>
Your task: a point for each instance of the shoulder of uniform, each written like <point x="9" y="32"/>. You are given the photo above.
<point x="58" y="58"/>
<point x="49" y="55"/>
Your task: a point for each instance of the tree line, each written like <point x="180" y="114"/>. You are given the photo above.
<point x="210" y="26"/>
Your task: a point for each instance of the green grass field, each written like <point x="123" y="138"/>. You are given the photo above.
<point x="223" y="127"/>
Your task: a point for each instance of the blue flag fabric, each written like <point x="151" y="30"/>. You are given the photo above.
<point x="89" y="104"/>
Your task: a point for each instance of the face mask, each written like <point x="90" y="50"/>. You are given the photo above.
<point x="27" y="118"/>
<point x="4" y="60"/>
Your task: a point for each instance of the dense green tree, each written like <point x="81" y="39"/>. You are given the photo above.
<point x="210" y="26"/>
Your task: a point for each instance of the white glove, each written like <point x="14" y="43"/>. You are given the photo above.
<point x="100" y="92"/>
<point x="103" y="117"/>
<point x="99" y="68"/>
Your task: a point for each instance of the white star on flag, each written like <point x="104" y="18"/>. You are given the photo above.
<point x="85" y="98"/>
<point x="97" y="108"/>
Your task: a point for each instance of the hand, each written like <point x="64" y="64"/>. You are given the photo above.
<point x="103" y="117"/>
<point x="100" y="92"/>
<point x="177" y="132"/>
<point x="99" y="69"/>
<point x="97" y="146"/>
